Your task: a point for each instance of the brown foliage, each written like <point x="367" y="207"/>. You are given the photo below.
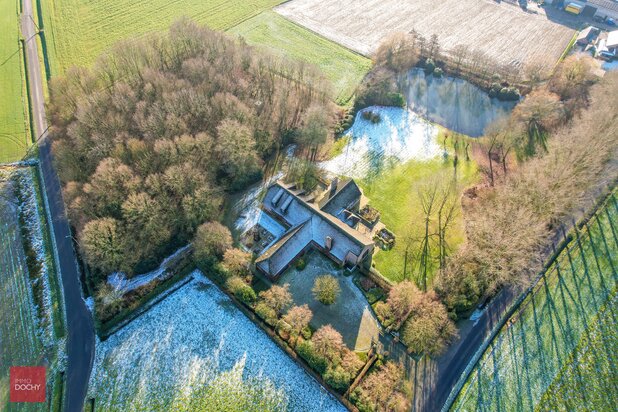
<point x="159" y="128"/>
<point x="383" y="390"/>
<point x="328" y="343"/>
<point x="277" y="298"/>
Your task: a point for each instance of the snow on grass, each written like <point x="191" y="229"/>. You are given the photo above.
<point x="33" y="222"/>
<point x="119" y="281"/>
<point x="184" y="342"/>
<point x="399" y="136"/>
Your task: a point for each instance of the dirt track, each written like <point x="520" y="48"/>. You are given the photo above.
<point x="502" y="31"/>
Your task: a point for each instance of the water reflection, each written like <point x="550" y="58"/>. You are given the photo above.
<point x="453" y="103"/>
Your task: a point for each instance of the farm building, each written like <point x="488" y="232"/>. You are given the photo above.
<point x="329" y="222"/>
<point x="612" y="42"/>
<point x="587" y="36"/>
<point x="599" y="8"/>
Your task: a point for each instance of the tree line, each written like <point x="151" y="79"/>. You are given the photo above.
<point x="149" y="141"/>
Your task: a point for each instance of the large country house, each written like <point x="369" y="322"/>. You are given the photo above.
<point x="328" y="221"/>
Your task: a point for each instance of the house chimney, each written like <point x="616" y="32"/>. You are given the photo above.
<point x="329" y="243"/>
<point x="333" y="187"/>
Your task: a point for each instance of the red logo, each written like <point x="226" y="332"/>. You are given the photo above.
<point x="27" y="383"/>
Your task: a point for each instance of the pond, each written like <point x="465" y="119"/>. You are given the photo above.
<point x="399" y="135"/>
<point x="453" y="103"/>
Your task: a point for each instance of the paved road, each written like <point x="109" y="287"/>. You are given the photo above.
<point x="80" y="327"/>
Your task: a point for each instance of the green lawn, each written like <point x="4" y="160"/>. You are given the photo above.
<point x="343" y="67"/>
<point x="78" y="31"/>
<point x="532" y="357"/>
<point x="13" y="115"/>
<point x="395" y="195"/>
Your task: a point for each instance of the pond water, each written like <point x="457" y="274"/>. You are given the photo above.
<point x="399" y="136"/>
<point x="453" y="103"/>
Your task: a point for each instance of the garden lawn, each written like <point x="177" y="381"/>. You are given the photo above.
<point x="344" y="68"/>
<point x="539" y="348"/>
<point x="77" y="31"/>
<point x="13" y="125"/>
<point x="19" y="341"/>
<point x="159" y="360"/>
<point x="395" y="193"/>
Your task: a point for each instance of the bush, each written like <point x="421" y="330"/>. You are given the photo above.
<point x="371" y="116"/>
<point x="337" y="378"/>
<point x="241" y="290"/>
<point x="267" y="313"/>
<point x="326" y="289"/>
<point x="438" y="72"/>
<point x="301" y="264"/>
<point x="306" y="351"/>
<point x="430" y="66"/>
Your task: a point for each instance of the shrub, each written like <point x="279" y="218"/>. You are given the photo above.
<point x="438" y="72"/>
<point x="267" y="313"/>
<point x="328" y="343"/>
<point x="301" y="264"/>
<point x="371" y="116"/>
<point x="305" y="350"/>
<point x="241" y="290"/>
<point x="277" y="298"/>
<point x="236" y="262"/>
<point x="326" y="289"/>
<point x="212" y="239"/>
<point x="337" y="378"/>
<point x="430" y="66"/>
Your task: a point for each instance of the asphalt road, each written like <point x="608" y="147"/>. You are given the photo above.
<point x="80" y="326"/>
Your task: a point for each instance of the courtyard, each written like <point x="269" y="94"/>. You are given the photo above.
<point x="350" y="315"/>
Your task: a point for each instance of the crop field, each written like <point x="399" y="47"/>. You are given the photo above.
<point x="502" y="31"/>
<point x="590" y="376"/>
<point x="13" y="115"/>
<point x="345" y="69"/>
<point x="80" y="30"/>
<point x="185" y="343"/>
<point x="19" y="340"/>
<point x="556" y="336"/>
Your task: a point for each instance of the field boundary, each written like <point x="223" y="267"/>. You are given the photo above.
<point x="567" y="238"/>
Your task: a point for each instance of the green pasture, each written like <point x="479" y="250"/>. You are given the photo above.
<point x="13" y="125"/>
<point x="535" y="350"/>
<point x="344" y="68"/>
<point x="395" y="194"/>
<point x="78" y="31"/>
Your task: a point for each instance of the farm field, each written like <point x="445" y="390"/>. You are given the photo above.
<point x="591" y="373"/>
<point x="20" y="343"/>
<point x="188" y="340"/>
<point x="502" y="31"/>
<point x="78" y="31"/>
<point x="13" y="115"/>
<point x="345" y="69"/>
<point x="533" y="355"/>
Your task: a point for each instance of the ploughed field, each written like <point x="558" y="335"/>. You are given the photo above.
<point x="13" y="125"/>
<point x="502" y="31"/>
<point x="558" y="351"/>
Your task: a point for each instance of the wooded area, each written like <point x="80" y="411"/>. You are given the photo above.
<point x="149" y="141"/>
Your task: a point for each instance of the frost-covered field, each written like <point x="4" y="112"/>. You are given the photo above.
<point x="401" y="135"/>
<point x="502" y="31"/>
<point x="185" y="342"/>
<point x="23" y="334"/>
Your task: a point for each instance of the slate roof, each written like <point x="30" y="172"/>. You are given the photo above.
<point x="308" y="223"/>
<point x="607" y="4"/>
